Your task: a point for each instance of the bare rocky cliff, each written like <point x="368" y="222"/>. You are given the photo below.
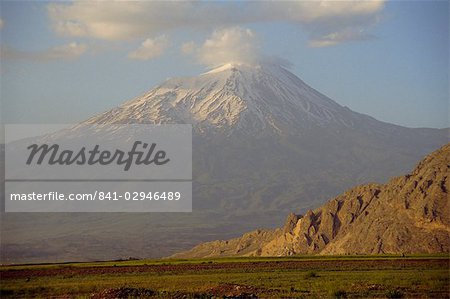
<point x="409" y="214"/>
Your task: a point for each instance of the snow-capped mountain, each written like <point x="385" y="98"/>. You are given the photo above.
<point x="251" y="98"/>
<point x="264" y="144"/>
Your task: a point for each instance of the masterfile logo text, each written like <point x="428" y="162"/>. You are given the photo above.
<point x="100" y="168"/>
<point x="52" y="155"/>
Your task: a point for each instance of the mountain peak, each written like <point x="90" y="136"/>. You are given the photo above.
<point x="267" y="67"/>
<point x="252" y="98"/>
<point x="231" y="67"/>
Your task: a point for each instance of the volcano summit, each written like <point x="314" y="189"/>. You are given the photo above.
<point x="251" y="99"/>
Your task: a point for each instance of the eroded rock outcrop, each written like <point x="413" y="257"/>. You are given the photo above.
<point x="409" y="214"/>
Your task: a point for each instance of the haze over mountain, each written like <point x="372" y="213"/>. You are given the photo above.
<point x="410" y="214"/>
<point x="264" y="144"/>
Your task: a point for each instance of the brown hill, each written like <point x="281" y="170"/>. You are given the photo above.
<point x="409" y="214"/>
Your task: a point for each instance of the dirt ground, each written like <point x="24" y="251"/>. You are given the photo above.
<point x="254" y="266"/>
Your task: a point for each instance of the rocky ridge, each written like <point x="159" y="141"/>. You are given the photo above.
<point x="409" y="214"/>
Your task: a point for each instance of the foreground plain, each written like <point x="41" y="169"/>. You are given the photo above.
<point x="287" y="277"/>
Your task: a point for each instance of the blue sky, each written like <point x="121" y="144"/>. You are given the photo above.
<point x="63" y="62"/>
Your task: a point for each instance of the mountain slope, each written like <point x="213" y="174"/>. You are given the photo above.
<point x="410" y="214"/>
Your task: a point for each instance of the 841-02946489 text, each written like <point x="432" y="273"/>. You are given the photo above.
<point x="140" y="195"/>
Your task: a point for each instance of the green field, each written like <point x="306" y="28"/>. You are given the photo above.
<point x="287" y="277"/>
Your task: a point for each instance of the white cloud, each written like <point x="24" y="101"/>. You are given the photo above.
<point x="150" y="48"/>
<point x="334" y="22"/>
<point x="1" y="24"/>
<point x="229" y="45"/>
<point x="63" y="52"/>
<point x="317" y="10"/>
<point x="121" y="20"/>
<point x="235" y="45"/>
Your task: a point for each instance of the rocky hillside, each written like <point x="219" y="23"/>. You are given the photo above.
<point x="409" y="214"/>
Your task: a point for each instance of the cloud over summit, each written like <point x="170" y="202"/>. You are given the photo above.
<point x="326" y="22"/>
<point x="229" y="45"/>
<point x="151" y="23"/>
